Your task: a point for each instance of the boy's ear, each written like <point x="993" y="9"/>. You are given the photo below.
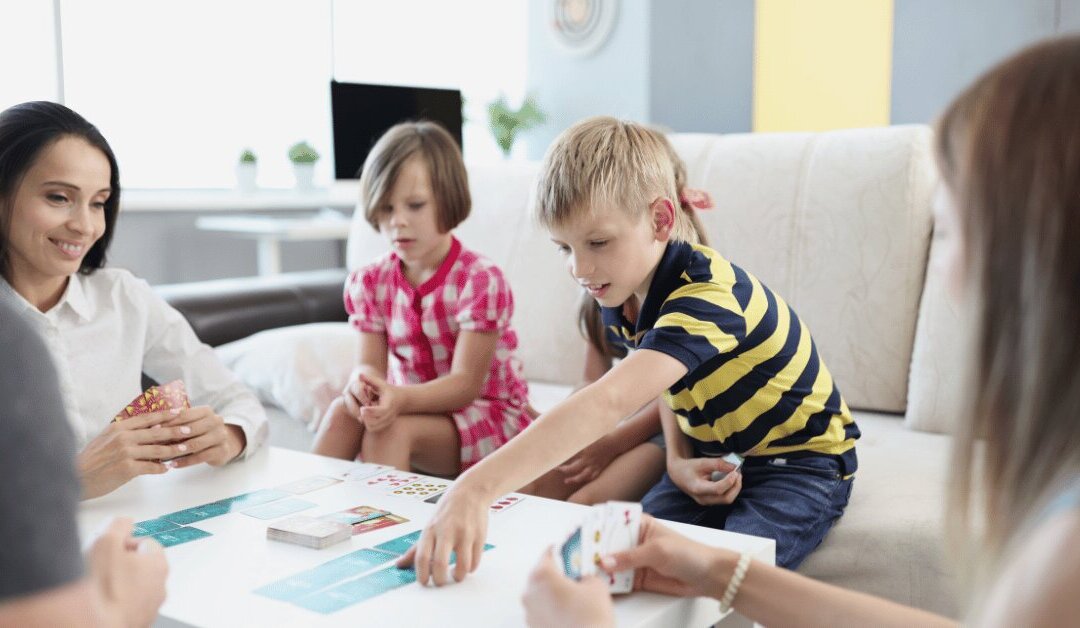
<point x="662" y="214"/>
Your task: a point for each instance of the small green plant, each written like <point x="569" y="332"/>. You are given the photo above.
<point x="303" y="153"/>
<point x="248" y="156"/>
<point x="506" y="123"/>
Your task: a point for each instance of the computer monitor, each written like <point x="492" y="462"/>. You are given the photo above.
<point x="361" y="113"/>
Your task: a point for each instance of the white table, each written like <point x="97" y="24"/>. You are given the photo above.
<point x="270" y="231"/>
<point x="211" y="580"/>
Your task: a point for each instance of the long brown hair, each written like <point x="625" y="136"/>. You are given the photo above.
<point x="592" y="328"/>
<point x="1009" y="151"/>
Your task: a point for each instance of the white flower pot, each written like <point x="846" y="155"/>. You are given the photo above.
<point x="245" y="177"/>
<point x="304" y="175"/>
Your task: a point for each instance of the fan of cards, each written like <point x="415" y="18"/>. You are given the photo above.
<point x="155" y="399"/>
<point x="608" y="528"/>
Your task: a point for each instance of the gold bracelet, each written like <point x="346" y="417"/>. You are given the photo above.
<point x="733" y="585"/>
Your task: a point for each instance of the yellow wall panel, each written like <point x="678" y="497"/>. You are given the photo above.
<point x="822" y="64"/>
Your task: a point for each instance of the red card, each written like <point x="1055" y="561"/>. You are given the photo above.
<point x="156" y="398"/>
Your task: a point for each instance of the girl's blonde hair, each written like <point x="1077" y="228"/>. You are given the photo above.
<point x="446" y="170"/>
<point x="604" y="162"/>
<point x="1009" y="151"/>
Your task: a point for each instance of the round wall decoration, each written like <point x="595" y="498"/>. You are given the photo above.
<point x="580" y="27"/>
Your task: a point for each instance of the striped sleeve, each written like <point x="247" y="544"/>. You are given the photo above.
<point x="693" y="327"/>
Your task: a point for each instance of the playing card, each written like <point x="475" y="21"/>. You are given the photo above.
<point x="401" y="544"/>
<point x="434" y="499"/>
<point x="197" y="513"/>
<point x="152" y="526"/>
<point x="306" y="485"/>
<point x="353" y="591"/>
<point x="273" y="510"/>
<point x="420" y="489"/>
<point x="176" y="536"/>
<point x="308" y="531"/>
<point x="390" y="480"/>
<point x="156" y="398"/>
<point x="253" y="498"/>
<point x="364" y="470"/>
<point x="355" y="515"/>
<point x="298" y="585"/>
<point x="505" y="502"/>
<point x="378" y="523"/>
<point x="606" y="529"/>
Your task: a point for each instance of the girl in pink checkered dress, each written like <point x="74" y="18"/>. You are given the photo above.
<point x="438" y="386"/>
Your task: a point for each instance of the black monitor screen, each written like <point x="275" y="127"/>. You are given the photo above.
<point x="362" y="113"/>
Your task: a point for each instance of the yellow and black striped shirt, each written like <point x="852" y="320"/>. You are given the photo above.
<point x="755" y="383"/>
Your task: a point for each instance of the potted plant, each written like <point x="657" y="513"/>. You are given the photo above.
<point x="303" y="157"/>
<point x="246" y="169"/>
<point x="506" y="123"/>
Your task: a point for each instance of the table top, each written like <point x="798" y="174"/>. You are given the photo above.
<point x="211" y="580"/>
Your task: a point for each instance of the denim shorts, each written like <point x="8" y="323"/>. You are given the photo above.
<point x="794" y="501"/>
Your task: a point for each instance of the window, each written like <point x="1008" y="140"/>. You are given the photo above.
<point x="28" y="48"/>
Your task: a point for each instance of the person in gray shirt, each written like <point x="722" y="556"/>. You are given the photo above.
<point x="43" y="578"/>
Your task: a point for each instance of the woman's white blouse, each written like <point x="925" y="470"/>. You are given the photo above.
<point x="108" y="329"/>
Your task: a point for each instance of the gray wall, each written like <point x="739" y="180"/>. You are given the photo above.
<point x="613" y="81"/>
<point x="165" y="247"/>
<point x="940" y="47"/>
<point x="702" y="65"/>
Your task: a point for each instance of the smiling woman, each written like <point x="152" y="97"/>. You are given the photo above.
<point x="59" y="199"/>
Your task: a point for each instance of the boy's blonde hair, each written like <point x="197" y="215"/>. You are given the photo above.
<point x="605" y="162"/>
<point x="446" y="171"/>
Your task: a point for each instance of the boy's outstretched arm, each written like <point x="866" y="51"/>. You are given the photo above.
<point x="460" y="521"/>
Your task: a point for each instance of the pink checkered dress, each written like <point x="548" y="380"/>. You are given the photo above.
<point x="467" y="293"/>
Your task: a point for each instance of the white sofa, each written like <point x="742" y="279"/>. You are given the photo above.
<point x="839" y="224"/>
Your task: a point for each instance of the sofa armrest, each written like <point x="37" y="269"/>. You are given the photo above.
<point x="224" y="310"/>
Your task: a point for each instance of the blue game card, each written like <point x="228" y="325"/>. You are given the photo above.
<point x="152" y="526"/>
<point x="179" y="535"/>
<point x="197" y="513"/>
<point x="254" y="498"/>
<point x="273" y="510"/>
<point x="306" y="582"/>
<point x="401" y="544"/>
<point x="353" y="591"/>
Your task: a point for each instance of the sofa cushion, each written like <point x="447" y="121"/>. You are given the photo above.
<point x="934" y="386"/>
<point x="836" y="223"/>
<point x="300" y="369"/>
<point x="890" y="541"/>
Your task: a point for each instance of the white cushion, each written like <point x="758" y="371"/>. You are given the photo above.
<point x="934" y="387"/>
<point x="890" y="541"/>
<point x="838" y="225"/>
<point x="300" y="369"/>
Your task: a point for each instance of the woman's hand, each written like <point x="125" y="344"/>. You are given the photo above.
<point x="693" y="476"/>
<point x="128" y="575"/>
<point x="126" y="449"/>
<point x="587" y="464"/>
<point x="459" y="526"/>
<point x="383" y="404"/>
<point x="208" y="438"/>
<point x="669" y="563"/>
<point x="552" y="599"/>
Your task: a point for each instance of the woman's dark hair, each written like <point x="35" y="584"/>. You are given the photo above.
<point x="26" y="130"/>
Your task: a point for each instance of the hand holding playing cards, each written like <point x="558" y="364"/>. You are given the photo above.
<point x="669" y="563"/>
<point x="460" y="526"/>
<point x="553" y="599"/>
<point x="588" y="463"/>
<point x="386" y="401"/>
<point x="693" y="476"/>
<point x="126" y="449"/>
<point x="207" y="437"/>
<point x="128" y="575"/>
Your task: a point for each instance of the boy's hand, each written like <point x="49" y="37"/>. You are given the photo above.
<point x="693" y="475"/>
<point x="552" y="599"/>
<point x="459" y="526"/>
<point x="587" y="464"/>
<point x="387" y="402"/>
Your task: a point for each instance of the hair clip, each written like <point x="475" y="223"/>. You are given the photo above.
<point x="698" y="199"/>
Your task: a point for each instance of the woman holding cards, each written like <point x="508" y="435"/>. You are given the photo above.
<point x="59" y="199"/>
<point x="1008" y="223"/>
